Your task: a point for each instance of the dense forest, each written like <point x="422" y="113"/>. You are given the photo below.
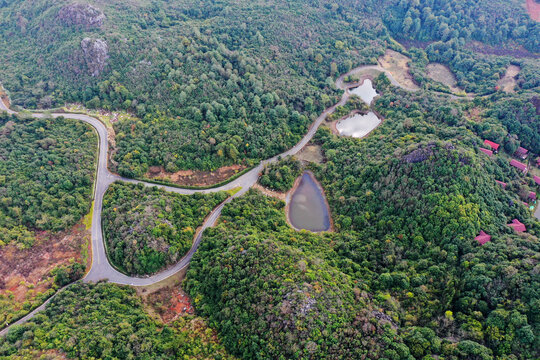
<point x="518" y="115"/>
<point x="146" y="229"/>
<point x="216" y="83"/>
<point x="485" y="21"/>
<point x="407" y="203"/>
<point x="105" y="321"/>
<point x="213" y="86"/>
<point x="280" y="176"/>
<point x="46" y="175"/>
<point x="272" y="298"/>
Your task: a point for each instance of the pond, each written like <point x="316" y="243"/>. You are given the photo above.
<point x="366" y="91"/>
<point x="358" y="125"/>
<point x="308" y="208"/>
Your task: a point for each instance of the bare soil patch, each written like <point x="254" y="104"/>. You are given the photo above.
<point x="268" y="192"/>
<point x="194" y="177"/>
<point x="474" y="114"/>
<point x="508" y="82"/>
<point x="442" y="74"/>
<point x="508" y="49"/>
<point x="311" y="153"/>
<point x="397" y="65"/>
<point x="533" y="8"/>
<point x="169" y="303"/>
<point x="166" y="300"/>
<point x="24" y="274"/>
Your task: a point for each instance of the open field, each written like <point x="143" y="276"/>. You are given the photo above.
<point x="397" y="65"/>
<point x="508" y="82"/>
<point x="442" y="74"/>
<point x="194" y="177"/>
<point x="311" y="153"/>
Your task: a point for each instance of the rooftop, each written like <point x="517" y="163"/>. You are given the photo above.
<point x="483" y="238"/>
<point x="517" y="226"/>
<point x="491" y="144"/>
<point x="519" y="165"/>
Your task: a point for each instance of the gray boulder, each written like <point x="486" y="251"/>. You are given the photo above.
<point x="82" y="15"/>
<point x="96" y="53"/>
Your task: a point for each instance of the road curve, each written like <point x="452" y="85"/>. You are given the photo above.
<point x="101" y="269"/>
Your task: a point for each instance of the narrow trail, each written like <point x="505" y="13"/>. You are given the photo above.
<point x="101" y="269"/>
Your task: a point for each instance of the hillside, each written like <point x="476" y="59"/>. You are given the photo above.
<point x="419" y="124"/>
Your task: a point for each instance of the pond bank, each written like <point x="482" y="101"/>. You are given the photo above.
<point x="307" y="193"/>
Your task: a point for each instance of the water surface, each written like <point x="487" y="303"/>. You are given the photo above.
<point x="307" y="208"/>
<point x="366" y="91"/>
<point x="358" y="125"/>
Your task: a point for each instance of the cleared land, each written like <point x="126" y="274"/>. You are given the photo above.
<point x="397" y="65"/>
<point x="311" y="153"/>
<point x="509" y="81"/>
<point x="26" y="274"/>
<point x="194" y="177"/>
<point x="441" y="73"/>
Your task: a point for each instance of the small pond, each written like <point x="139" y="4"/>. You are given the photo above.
<point x="307" y="208"/>
<point x="366" y="91"/>
<point x="358" y="125"/>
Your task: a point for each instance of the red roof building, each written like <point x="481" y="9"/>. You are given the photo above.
<point x="538" y="162"/>
<point x="519" y="165"/>
<point x="536" y="179"/>
<point x="517" y="226"/>
<point x="486" y="151"/>
<point x="503" y="184"/>
<point x="483" y="238"/>
<point x="492" y="145"/>
<point x="532" y="195"/>
<point x="521" y="153"/>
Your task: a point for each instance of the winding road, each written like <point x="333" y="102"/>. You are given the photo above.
<point x="101" y="269"/>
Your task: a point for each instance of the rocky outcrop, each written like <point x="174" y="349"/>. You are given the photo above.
<point x="96" y="53"/>
<point x="419" y="155"/>
<point x="82" y="15"/>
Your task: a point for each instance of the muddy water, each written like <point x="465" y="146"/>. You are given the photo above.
<point x="308" y="209"/>
<point x="358" y="125"/>
<point x="366" y="91"/>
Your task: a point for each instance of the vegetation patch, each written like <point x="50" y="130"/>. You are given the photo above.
<point x="146" y="228"/>
<point x="81" y="321"/>
<point x="29" y="276"/>
<point x="280" y="176"/>
<point x="47" y="172"/>
<point x="271" y="299"/>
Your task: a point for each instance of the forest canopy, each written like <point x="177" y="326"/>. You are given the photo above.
<point x="147" y="228"/>
<point x="46" y="175"/>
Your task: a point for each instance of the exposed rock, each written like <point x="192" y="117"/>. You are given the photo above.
<point x="81" y="14"/>
<point x="96" y="53"/>
<point x="419" y="155"/>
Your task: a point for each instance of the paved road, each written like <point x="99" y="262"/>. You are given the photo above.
<point x="101" y="269"/>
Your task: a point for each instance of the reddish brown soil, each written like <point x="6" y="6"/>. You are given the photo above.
<point x="194" y="177"/>
<point x="170" y="303"/>
<point x="20" y="269"/>
<point x="533" y="8"/>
